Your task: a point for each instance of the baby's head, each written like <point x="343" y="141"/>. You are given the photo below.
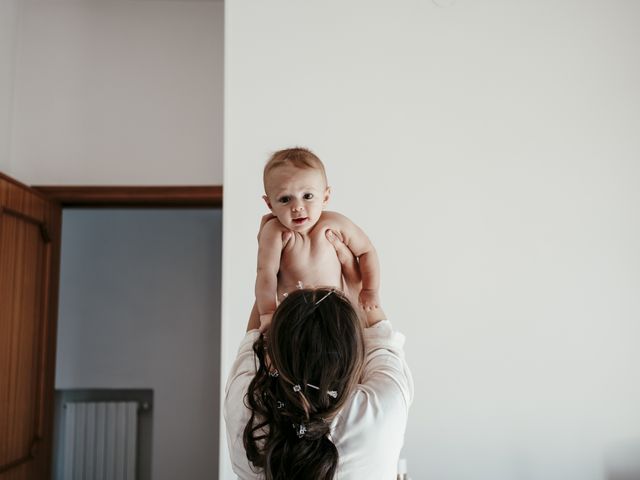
<point x="296" y="188"/>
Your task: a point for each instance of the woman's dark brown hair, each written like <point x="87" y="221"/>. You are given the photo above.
<point x="309" y="364"/>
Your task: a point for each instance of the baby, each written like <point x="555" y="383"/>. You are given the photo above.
<point x="293" y="251"/>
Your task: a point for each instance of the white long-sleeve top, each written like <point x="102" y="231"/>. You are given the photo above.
<point x="368" y="432"/>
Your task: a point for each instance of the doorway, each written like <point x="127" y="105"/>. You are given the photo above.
<point x="140" y="309"/>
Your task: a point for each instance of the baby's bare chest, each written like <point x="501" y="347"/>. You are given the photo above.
<point x="311" y="260"/>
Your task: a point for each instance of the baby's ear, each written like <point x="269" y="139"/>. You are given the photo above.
<point x="327" y="194"/>
<point x="266" y="200"/>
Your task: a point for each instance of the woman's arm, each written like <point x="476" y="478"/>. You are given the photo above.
<point x="254" y="318"/>
<point x="386" y="375"/>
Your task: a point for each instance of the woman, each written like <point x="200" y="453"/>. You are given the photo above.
<point x="323" y="394"/>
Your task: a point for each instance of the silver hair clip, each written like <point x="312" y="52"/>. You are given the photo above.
<point x="331" y="393"/>
<point x="274" y="373"/>
<point x="297" y="389"/>
<point x="279" y="404"/>
<point x="300" y="429"/>
<point x="326" y="295"/>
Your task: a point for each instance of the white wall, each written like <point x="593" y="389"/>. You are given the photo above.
<point x="8" y="24"/>
<point x="490" y="150"/>
<point x="118" y="92"/>
<point x="139" y="308"/>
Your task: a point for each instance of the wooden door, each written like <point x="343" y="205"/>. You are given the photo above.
<point x="29" y="269"/>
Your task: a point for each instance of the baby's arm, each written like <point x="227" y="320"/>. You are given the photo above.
<point x="353" y="278"/>
<point x="269" y="252"/>
<point x="361" y="246"/>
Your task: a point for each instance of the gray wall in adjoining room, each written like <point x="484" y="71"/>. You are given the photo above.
<point x="140" y="308"/>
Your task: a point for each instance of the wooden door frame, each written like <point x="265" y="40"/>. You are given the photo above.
<point x="117" y="196"/>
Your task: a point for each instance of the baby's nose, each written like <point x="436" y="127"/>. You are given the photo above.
<point x="297" y="206"/>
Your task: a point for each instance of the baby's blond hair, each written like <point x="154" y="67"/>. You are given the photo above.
<point x="298" y="157"/>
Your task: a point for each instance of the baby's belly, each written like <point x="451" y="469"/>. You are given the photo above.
<point x="300" y="270"/>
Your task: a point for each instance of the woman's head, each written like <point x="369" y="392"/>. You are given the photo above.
<point x="316" y="338"/>
<point x="309" y="365"/>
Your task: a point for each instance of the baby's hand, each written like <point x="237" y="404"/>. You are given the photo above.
<point x="369" y="299"/>
<point x="265" y="322"/>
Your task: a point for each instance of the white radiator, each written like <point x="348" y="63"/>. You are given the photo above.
<point x="100" y="440"/>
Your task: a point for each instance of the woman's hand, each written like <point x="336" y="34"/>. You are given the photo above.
<point x="350" y="267"/>
<point x="353" y="279"/>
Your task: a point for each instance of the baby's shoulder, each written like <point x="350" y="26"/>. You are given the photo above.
<point x="271" y="230"/>
<point x="333" y="219"/>
<point x="273" y="224"/>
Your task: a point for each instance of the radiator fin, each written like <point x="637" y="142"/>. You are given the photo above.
<point x="100" y="440"/>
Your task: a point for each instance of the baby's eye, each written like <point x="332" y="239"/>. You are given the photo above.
<point x="308" y="196"/>
<point x="284" y="199"/>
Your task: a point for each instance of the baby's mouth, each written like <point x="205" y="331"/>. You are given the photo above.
<point x="300" y="221"/>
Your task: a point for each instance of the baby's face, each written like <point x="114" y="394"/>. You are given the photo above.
<point x="296" y="196"/>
